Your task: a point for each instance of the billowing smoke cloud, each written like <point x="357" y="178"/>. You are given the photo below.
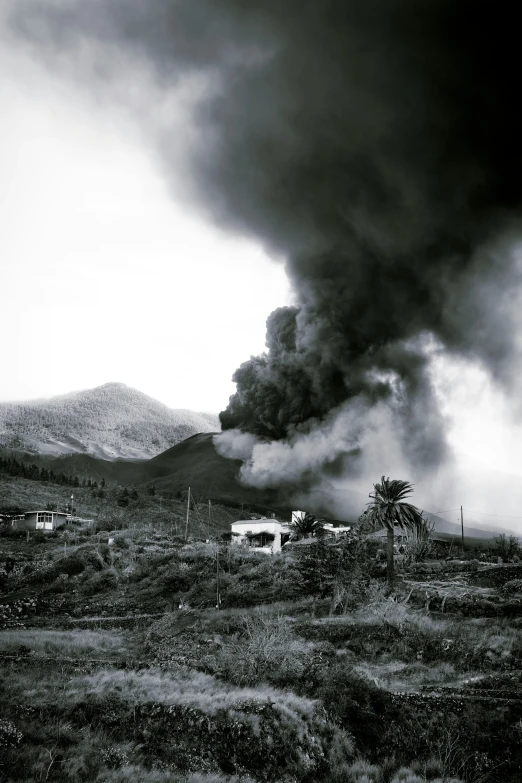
<point x="375" y="147"/>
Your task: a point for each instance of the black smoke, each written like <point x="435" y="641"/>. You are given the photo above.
<point x="375" y="146"/>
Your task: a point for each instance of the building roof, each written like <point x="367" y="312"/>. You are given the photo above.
<point x="44" y="511"/>
<point x="263" y="521"/>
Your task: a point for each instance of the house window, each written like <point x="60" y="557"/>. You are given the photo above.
<point x="44" y="520"/>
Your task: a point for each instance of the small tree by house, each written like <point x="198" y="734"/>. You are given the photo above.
<point x="388" y="509"/>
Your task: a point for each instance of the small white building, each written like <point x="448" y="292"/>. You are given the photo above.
<point x="336" y="531"/>
<point x="262" y="535"/>
<point x="39" y="520"/>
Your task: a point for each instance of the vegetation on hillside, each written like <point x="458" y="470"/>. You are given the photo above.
<point x="129" y="424"/>
<point x="131" y="652"/>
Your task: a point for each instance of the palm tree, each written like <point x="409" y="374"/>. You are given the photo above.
<point x="388" y="510"/>
<point x="307" y="527"/>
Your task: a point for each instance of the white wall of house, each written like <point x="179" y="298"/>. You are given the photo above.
<point x="243" y="527"/>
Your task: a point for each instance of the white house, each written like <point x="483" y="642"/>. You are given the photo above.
<point x="263" y="535"/>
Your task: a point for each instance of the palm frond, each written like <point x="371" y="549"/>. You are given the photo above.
<point x="387" y="507"/>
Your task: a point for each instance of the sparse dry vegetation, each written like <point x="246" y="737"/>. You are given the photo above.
<point x="117" y="666"/>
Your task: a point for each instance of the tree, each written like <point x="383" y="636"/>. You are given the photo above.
<point x="388" y="510"/>
<point x="507" y="547"/>
<point x="307" y="527"/>
<point x="317" y="565"/>
<point x="123" y="498"/>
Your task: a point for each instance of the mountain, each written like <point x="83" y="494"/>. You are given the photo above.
<point x="109" y="422"/>
<point x="452" y="530"/>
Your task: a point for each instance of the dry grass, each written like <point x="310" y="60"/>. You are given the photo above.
<point x="67" y="644"/>
<point x="396" y="676"/>
<point x="135" y="774"/>
<point x="186" y="688"/>
<point x="500" y="636"/>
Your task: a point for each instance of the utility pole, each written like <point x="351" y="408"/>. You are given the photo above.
<point x="462" y="528"/>
<point x="188" y="513"/>
<point x="209" y="512"/>
<point x="218" y="599"/>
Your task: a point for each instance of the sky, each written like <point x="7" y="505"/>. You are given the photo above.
<point x="108" y="274"/>
<point x="104" y="276"/>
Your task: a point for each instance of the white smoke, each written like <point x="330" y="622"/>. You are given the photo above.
<point x="363" y="438"/>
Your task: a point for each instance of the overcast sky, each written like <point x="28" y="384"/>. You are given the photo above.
<point x="105" y="276"/>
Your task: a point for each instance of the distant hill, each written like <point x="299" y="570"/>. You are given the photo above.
<point x="452" y="530"/>
<point x="195" y="463"/>
<point x="109" y="422"/>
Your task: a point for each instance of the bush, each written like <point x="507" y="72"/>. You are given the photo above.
<point x="115" y="757"/>
<point x="265" y="647"/>
<point x="100" y="583"/>
<point x="71" y="565"/>
<point x="10" y="736"/>
<point x="513" y="586"/>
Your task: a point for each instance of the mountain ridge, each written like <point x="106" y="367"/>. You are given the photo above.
<point x="110" y="422"/>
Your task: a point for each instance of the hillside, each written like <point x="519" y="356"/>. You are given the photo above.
<point x="196" y="463"/>
<point x="452" y="530"/>
<point x="109" y="422"/>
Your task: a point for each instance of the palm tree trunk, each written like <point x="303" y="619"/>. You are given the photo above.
<point x="390" y="573"/>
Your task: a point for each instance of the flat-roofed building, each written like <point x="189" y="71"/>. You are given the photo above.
<point x="39" y="520"/>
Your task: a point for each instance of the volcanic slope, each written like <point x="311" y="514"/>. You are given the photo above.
<point x="195" y="463"/>
<point x="110" y="422"/>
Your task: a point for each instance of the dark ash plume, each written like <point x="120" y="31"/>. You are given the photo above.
<point x="374" y="145"/>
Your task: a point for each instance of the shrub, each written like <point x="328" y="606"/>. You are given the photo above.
<point x="71" y="565"/>
<point x="10" y="736"/>
<point x="513" y="586"/>
<point x="100" y="582"/>
<point x="361" y="772"/>
<point x="115" y="757"/>
<point x="264" y="648"/>
<point x="404" y="775"/>
<point x="358" y="704"/>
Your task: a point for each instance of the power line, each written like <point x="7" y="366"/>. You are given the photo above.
<point x="484" y="514"/>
